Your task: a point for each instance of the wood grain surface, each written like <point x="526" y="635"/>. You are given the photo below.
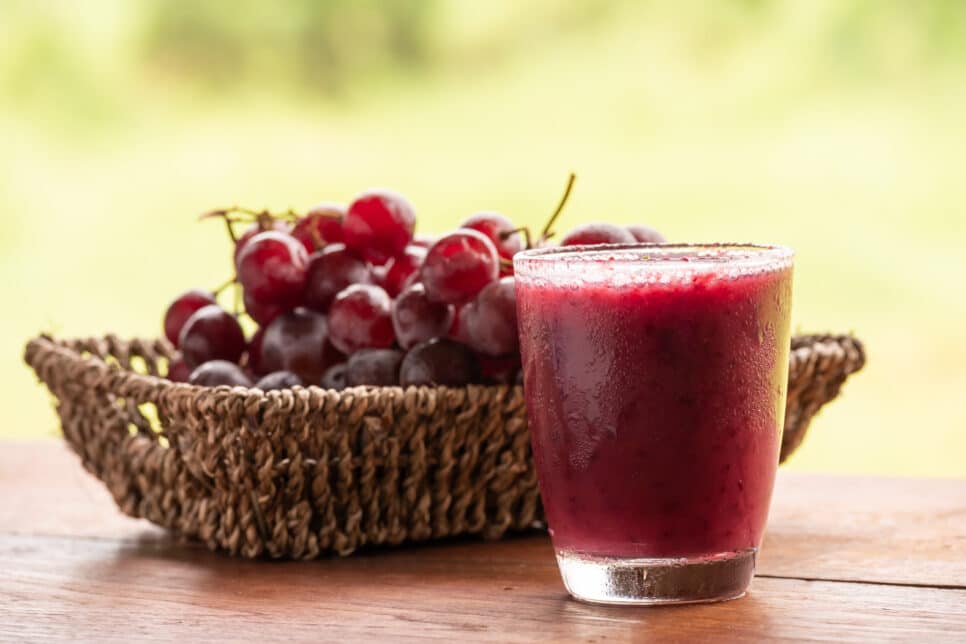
<point x="888" y="530"/>
<point x="846" y="559"/>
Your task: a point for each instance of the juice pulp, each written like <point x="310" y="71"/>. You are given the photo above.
<point x="656" y="402"/>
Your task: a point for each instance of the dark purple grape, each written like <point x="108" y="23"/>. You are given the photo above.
<point x="211" y="334"/>
<point x="334" y="377"/>
<point x="178" y="371"/>
<point x="597" y="233"/>
<point x="373" y="367"/>
<point x="219" y="372"/>
<point x="278" y="380"/>
<point x="502" y="370"/>
<point x="439" y="362"/>
<point x="330" y="271"/>
<point x="489" y="323"/>
<point x="253" y="353"/>
<point x="262" y="312"/>
<point x="183" y="308"/>
<point x="359" y="318"/>
<point x="298" y="341"/>
<point x="455" y="332"/>
<point x="416" y="319"/>
<point x="645" y="234"/>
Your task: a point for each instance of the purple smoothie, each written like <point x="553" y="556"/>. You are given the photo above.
<point x="655" y="395"/>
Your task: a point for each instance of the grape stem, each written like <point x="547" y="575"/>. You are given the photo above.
<point x="221" y="288"/>
<point x="225" y="212"/>
<point x="506" y="234"/>
<point x="547" y="233"/>
<point x="263" y="218"/>
<point x="231" y="231"/>
<point x="316" y="236"/>
<point x="250" y="214"/>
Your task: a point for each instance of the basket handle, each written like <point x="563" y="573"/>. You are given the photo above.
<point x="817" y="367"/>
<point x="102" y="364"/>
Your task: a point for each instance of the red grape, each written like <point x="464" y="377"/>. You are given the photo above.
<point x="330" y="271"/>
<point x="276" y="225"/>
<point x="454" y="329"/>
<point x="322" y="225"/>
<point x="415" y="318"/>
<point x="272" y="269"/>
<point x="178" y="371"/>
<point x="211" y="334"/>
<point x="373" y="367"/>
<point x="458" y="266"/>
<point x="401" y="268"/>
<point x="439" y="362"/>
<point x="645" y="234"/>
<point x="360" y="318"/>
<point x="597" y="233"/>
<point x="502" y="370"/>
<point x="261" y="312"/>
<point x="489" y="323"/>
<point x="298" y="341"/>
<point x="334" y="377"/>
<point x="278" y="380"/>
<point x="378" y="225"/>
<point x="499" y="230"/>
<point x="183" y="308"/>
<point x="219" y="372"/>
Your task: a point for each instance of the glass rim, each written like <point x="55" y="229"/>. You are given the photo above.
<point x="662" y="257"/>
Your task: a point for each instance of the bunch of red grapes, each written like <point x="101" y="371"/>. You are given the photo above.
<point x="349" y="296"/>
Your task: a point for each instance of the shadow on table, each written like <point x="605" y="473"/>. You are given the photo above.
<point x="477" y="584"/>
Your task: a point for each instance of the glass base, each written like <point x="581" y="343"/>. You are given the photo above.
<point x="608" y="580"/>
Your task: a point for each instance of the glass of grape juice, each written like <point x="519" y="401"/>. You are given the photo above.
<point x="655" y="379"/>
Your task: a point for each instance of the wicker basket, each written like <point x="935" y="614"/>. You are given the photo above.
<point x="307" y="472"/>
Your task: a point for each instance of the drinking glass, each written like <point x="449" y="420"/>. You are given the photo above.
<point x="655" y="379"/>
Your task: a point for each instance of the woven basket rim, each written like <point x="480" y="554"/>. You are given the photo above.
<point x="121" y="376"/>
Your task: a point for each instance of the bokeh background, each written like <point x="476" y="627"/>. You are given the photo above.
<point x="835" y="126"/>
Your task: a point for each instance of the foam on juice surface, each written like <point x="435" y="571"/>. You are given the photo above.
<point x="661" y="265"/>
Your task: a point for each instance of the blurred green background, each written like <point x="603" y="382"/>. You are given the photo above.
<point x="835" y="126"/>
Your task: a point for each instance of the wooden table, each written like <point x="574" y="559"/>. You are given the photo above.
<point x="864" y="559"/>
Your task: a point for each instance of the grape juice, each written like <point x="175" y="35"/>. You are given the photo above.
<point x="655" y="383"/>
